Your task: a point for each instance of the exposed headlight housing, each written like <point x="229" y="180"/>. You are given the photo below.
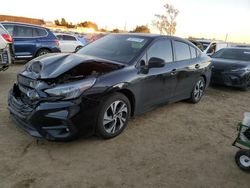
<point x="71" y="90"/>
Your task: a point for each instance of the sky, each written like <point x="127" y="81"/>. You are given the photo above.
<point x="197" y="18"/>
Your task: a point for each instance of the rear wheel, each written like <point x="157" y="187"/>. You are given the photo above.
<point x="198" y="90"/>
<point x="42" y="52"/>
<point x="114" y="115"/>
<point x="78" y="48"/>
<point x="242" y="159"/>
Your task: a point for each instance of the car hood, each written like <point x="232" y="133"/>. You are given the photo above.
<point x="53" y="65"/>
<point x="226" y="64"/>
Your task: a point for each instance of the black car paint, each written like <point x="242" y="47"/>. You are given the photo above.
<point x="56" y="119"/>
<point x="222" y="73"/>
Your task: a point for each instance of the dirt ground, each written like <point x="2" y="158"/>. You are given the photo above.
<point x="177" y="145"/>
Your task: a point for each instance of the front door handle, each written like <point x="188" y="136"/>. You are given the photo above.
<point x="173" y="72"/>
<point x="197" y="66"/>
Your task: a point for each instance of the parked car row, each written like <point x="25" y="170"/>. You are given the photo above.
<point x="30" y="41"/>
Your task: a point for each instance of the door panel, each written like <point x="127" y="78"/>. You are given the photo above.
<point x="24" y="42"/>
<point x="185" y="69"/>
<point x="158" y="84"/>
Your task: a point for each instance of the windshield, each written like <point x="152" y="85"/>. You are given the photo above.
<point x="121" y="48"/>
<point x="234" y="54"/>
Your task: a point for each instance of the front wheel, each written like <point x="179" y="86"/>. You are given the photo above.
<point x="198" y="90"/>
<point x="242" y="159"/>
<point x="42" y="52"/>
<point x="113" y="116"/>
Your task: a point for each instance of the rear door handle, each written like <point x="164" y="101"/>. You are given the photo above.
<point x="173" y="72"/>
<point x="197" y="66"/>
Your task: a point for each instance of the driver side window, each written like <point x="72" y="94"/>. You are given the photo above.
<point x="161" y="49"/>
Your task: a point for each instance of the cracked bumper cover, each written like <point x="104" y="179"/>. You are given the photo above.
<point x="58" y="121"/>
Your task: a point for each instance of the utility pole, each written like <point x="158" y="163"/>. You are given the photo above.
<point x="226" y="37"/>
<point x="125" y="26"/>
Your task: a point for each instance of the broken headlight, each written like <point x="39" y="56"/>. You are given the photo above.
<point x="71" y="90"/>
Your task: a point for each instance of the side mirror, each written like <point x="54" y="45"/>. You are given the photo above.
<point x="155" y="62"/>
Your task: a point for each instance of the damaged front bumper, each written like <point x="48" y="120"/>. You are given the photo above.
<point x="57" y="120"/>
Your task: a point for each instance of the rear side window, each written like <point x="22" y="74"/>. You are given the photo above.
<point x="37" y="32"/>
<point x="67" y="37"/>
<point x="22" y="31"/>
<point x="182" y="51"/>
<point x="193" y="52"/>
<point x="161" y="49"/>
<point x="59" y="37"/>
<point x="9" y="28"/>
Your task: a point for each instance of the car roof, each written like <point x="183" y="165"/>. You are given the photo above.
<point x="149" y="35"/>
<point x="240" y="48"/>
<point x="65" y="34"/>
<point x="21" y="23"/>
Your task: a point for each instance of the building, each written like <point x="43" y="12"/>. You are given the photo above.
<point x="21" y="19"/>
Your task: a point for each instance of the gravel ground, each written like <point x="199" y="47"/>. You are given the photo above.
<point x="177" y="145"/>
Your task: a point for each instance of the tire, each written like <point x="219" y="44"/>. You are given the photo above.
<point x="111" y="123"/>
<point x="242" y="159"/>
<point x="78" y="48"/>
<point x="247" y="86"/>
<point x="198" y="90"/>
<point x="42" y="52"/>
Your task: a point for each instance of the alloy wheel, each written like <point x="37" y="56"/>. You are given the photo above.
<point x="115" y="117"/>
<point x="198" y="90"/>
<point x="245" y="161"/>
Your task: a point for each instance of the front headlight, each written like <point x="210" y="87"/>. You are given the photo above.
<point x="71" y="90"/>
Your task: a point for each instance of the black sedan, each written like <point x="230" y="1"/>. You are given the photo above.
<point x="97" y="89"/>
<point x="231" y="67"/>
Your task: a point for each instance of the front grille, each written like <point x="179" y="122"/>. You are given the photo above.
<point x="25" y="85"/>
<point x="23" y="110"/>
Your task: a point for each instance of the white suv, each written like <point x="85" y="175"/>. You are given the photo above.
<point x="6" y="49"/>
<point x="69" y="43"/>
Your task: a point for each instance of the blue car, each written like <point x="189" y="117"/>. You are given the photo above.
<point x="31" y="41"/>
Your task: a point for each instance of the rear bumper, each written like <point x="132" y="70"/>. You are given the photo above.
<point x="56" y="121"/>
<point x="229" y="79"/>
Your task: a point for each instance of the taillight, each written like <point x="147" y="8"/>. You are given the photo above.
<point x="7" y="37"/>
<point x="57" y="43"/>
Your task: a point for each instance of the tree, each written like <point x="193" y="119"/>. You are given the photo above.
<point x="103" y="30"/>
<point x="57" y="22"/>
<point x="141" y="29"/>
<point x="64" y="22"/>
<point x="116" y="31"/>
<point x="89" y="24"/>
<point x="166" y="23"/>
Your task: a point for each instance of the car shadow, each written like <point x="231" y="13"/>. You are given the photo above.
<point x="225" y="88"/>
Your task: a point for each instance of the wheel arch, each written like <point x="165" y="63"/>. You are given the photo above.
<point x="42" y="48"/>
<point x="205" y="78"/>
<point x="129" y="94"/>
